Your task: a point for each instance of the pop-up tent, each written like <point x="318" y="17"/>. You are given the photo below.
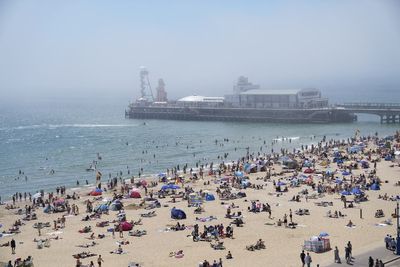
<point x="210" y="197"/>
<point x="135" y="194"/>
<point x="96" y="192"/>
<point x="169" y="187"/>
<point x="345" y="193"/>
<point x="126" y="226"/>
<point x="178" y="214"/>
<point x="375" y="187"/>
<point x="357" y="191"/>
<point x="101" y="208"/>
<point x="116" y="205"/>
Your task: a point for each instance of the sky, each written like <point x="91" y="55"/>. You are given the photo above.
<point x="94" y="49"/>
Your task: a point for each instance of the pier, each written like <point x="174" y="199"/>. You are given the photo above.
<point x="388" y="112"/>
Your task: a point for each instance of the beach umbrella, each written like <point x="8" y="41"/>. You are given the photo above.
<point x="323" y="234"/>
<point x="143" y="182"/>
<point x="329" y="172"/>
<point x="338" y="181"/>
<point x="161" y="174"/>
<point x="345" y="173"/>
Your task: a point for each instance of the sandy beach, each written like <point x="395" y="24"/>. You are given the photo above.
<point x="283" y="245"/>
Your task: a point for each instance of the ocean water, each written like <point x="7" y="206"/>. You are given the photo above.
<point x="66" y="137"/>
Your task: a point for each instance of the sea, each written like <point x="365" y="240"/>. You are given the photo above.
<point x="53" y="143"/>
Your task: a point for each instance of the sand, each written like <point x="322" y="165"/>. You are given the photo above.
<point x="283" y="245"/>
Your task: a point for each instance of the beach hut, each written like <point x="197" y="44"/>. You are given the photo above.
<point x="96" y="192"/>
<point x="375" y="187"/>
<point x="178" y="214"/>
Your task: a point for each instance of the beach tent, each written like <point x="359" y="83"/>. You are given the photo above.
<point x="345" y="193"/>
<point x="239" y="174"/>
<point x="59" y="202"/>
<point x="329" y="172"/>
<point x="280" y="183"/>
<point x="135" y="194"/>
<point x="210" y="197"/>
<point x="354" y="149"/>
<point x="96" y="192"/>
<point x="307" y="164"/>
<point x="126" y="226"/>
<point x="195" y="199"/>
<point x="357" y="191"/>
<point x="345" y="173"/>
<point x="388" y="157"/>
<point x="178" y="214"/>
<point x="364" y="164"/>
<point x="169" y="187"/>
<point x="48" y="209"/>
<point x="308" y="170"/>
<point x="116" y="205"/>
<point x="375" y="187"/>
<point x="102" y="208"/>
<point x="323" y="234"/>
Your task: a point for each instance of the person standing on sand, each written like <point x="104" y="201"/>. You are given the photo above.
<point x="13" y="246"/>
<point x="308" y="260"/>
<point x="302" y="258"/>
<point x="337" y="257"/>
<point x="370" y="262"/>
<point x="99" y="261"/>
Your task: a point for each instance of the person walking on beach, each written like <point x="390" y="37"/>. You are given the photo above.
<point x="370" y="262"/>
<point x="302" y="258"/>
<point x="337" y="257"/>
<point x="13" y="246"/>
<point x="308" y="260"/>
<point x="99" y="261"/>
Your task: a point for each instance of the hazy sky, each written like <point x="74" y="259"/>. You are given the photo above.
<point x="95" y="48"/>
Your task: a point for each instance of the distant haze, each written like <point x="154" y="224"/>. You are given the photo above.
<point x="93" y="49"/>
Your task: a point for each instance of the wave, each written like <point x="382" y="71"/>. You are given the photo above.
<point x="55" y="126"/>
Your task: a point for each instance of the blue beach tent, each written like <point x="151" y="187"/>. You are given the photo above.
<point x="375" y="187"/>
<point x="345" y="193"/>
<point x="210" y="197"/>
<point x="178" y="214"/>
